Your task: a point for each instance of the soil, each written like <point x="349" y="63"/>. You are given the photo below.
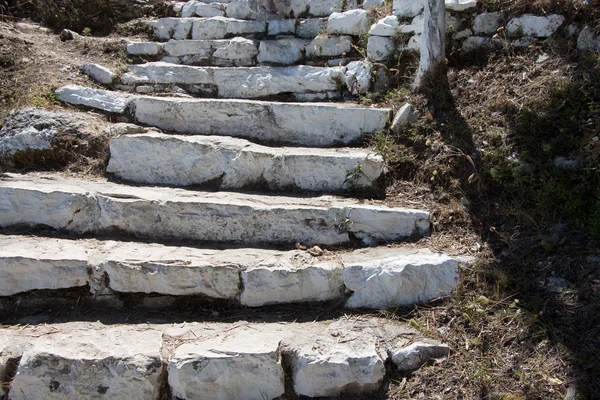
<point x="513" y="334"/>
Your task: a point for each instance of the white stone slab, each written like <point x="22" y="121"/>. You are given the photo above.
<point x="242" y="364"/>
<point x="353" y="22"/>
<point x="267" y="81"/>
<point x="281" y="27"/>
<point x="358" y="77"/>
<point x="144" y="48"/>
<point x="309" y="28"/>
<point x="531" y="25"/>
<point x="402" y="279"/>
<point x="210" y="10"/>
<point x="99" y="74"/>
<point x="343" y="359"/>
<point x="380" y="48"/>
<point x="29" y="264"/>
<point x="295" y="277"/>
<point x="82" y="364"/>
<point x="221" y="27"/>
<point x="98" y="206"/>
<point x="172" y="28"/>
<point x="387" y="26"/>
<point x="329" y="46"/>
<point x="104" y="100"/>
<point x="156" y="158"/>
<point x="285" y="51"/>
<point x="306" y="124"/>
<point x="237" y="51"/>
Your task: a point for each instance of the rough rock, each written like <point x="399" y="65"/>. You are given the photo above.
<point x="358" y="77"/>
<point x="99" y="73"/>
<point x="315" y="8"/>
<point x="221" y="367"/>
<point x="172" y="28"/>
<point x="343" y="359"/>
<point x="329" y="46"/>
<point x="474" y="43"/>
<point x="414" y="43"/>
<point x="144" y="48"/>
<point x="531" y="25"/>
<point x="302" y="124"/>
<point x="387" y="26"/>
<point x="415" y="355"/>
<point x="487" y="23"/>
<point x="88" y="363"/>
<point x="405" y="114"/>
<point x="588" y="40"/>
<point x="112" y="102"/>
<point x="309" y="28"/>
<point x="402" y="279"/>
<point x="209" y="10"/>
<point x="237" y="51"/>
<point x="221" y="27"/>
<point x="353" y="22"/>
<point x="36" y="129"/>
<point x="461" y="5"/>
<point x="462" y="34"/>
<point x="418" y="24"/>
<point x="295" y="277"/>
<point x="200" y="49"/>
<point x="243" y="9"/>
<point x="380" y="48"/>
<point x="408" y="8"/>
<point x="285" y="51"/>
<point x="281" y="27"/>
<point x="372" y="3"/>
<point x="98" y="206"/>
<point x="157" y="158"/>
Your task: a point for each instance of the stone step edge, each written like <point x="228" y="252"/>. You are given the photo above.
<point x="250" y="10"/>
<point x="97" y="206"/>
<point x="241" y="52"/>
<point x="306" y="83"/>
<point x="304" y="124"/>
<point x="374" y="278"/>
<point x="232" y="164"/>
<point x="242" y="360"/>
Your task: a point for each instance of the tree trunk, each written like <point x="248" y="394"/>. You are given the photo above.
<point x="433" y="43"/>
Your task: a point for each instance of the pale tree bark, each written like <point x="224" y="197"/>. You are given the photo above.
<point x="433" y="42"/>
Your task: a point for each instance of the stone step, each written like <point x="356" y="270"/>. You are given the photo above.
<point x="229" y="163"/>
<point x="304" y="83"/>
<point x="250" y="9"/>
<point x="370" y="278"/>
<point x="242" y="52"/>
<point x="305" y="124"/>
<point x="223" y="28"/>
<point x="97" y="206"/>
<point x="207" y="360"/>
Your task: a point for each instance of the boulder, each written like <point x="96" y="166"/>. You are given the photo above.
<point x="531" y="25"/>
<point x="487" y="23"/>
<point x="589" y="40"/>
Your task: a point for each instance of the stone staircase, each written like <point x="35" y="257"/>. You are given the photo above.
<point x="235" y="217"/>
